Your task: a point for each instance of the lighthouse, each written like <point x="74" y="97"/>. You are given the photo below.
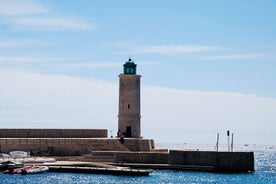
<point x="129" y="102"/>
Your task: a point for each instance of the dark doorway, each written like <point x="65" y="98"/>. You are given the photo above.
<point x="128" y="131"/>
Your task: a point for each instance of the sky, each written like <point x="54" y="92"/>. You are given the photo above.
<point x="206" y="66"/>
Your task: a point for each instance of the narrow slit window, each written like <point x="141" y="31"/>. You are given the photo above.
<point x="128" y="106"/>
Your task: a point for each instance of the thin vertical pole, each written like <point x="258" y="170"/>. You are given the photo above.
<point x="216" y="147"/>
<point x="232" y="143"/>
<point x="228" y="134"/>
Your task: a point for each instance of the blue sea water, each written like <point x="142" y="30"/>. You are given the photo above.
<point x="265" y="172"/>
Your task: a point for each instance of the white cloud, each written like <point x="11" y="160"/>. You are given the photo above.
<point x="21" y="7"/>
<point x="19" y="43"/>
<point x="190" y="116"/>
<point x="42" y="23"/>
<point x="27" y="14"/>
<point x="52" y="63"/>
<point x="173" y="49"/>
<point x="94" y="65"/>
<point x="168" y="115"/>
<point x="233" y="57"/>
<point x="34" y="100"/>
<point x="26" y="60"/>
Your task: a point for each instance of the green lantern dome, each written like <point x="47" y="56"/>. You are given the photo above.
<point x="130" y="67"/>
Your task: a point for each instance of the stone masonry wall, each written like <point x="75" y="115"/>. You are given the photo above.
<point x="139" y="144"/>
<point x="60" y="146"/>
<point x="53" y="133"/>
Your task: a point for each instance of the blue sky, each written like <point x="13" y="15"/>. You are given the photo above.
<point x="204" y="60"/>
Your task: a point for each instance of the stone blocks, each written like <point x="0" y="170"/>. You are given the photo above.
<point x="53" y="133"/>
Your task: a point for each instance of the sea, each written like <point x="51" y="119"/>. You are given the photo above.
<point x="265" y="171"/>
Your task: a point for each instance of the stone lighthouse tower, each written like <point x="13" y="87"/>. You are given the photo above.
<point x="129" y="101"/>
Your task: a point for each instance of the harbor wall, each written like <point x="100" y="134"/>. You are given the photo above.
<point x="53" y="133"/>
<point x="60" y="146"/>
<point x="71" y="146"/>
<point x="222" y="161"/>
<point x="138" y="144"/>
<point x="142" y="157"/>
<point x="192" y="160"/>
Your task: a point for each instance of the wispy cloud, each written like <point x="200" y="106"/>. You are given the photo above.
<point x="233" y="57"/>
<point x="54" y="63"/>
<point x="19" y="43"/>
<point x="26" y="60"/>
<point x="27" y="14"/>
<point x="75" y="65"/>
<point x="94" y="65"/>
<point x="42" y="23"/>
<point x="172" y="49"/>
<point x="21" y="7"/>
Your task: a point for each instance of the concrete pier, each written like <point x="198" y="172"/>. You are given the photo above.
<point x="95" y="168"/>
<point x="184" y="160"/>
<point x="221" y="161"/>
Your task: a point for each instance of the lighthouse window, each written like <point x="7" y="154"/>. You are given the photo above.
<point x="131" y="70"/>
<point x="128" y="106"/>
<point x="127" y="71"/>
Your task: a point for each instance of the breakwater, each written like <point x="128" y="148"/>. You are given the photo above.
<point x="220" y="161"/>
<point x="185" y="160"/>
<point x="76" y="142"/>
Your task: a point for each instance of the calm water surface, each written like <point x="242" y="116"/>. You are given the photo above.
<point x="265" y="166"/>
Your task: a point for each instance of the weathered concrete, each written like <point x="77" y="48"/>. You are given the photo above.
<point x="53" y="133"/>
<point x="222" y="161"/>
<point x="186" y="160"/>
<point x="142" y="157"/>
<point x="101" y="170"/>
